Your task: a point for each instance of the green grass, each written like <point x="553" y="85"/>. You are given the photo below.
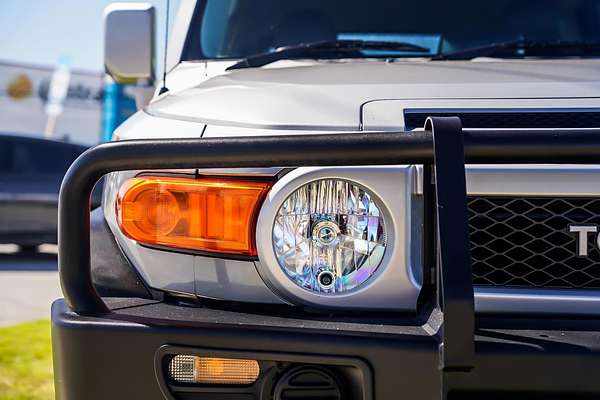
<point x="26" y="362"/>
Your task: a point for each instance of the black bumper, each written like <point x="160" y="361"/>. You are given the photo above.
<point x="114" y="356"/>
<point x="108" y="349"/>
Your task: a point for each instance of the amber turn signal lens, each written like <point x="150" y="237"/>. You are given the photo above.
<point x="206" y="214"/>
<point x="213" y="371"/>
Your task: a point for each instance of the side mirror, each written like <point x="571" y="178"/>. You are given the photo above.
<point x="129" y="42"/>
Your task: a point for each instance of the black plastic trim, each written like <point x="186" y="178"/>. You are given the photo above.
<point x="324" y="360"/>
<point x="453" y="246"/>
<point x="112" y="274"/>
<point x="113" y="356"/>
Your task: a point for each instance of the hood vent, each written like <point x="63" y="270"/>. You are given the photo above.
<point x="513" y="119"/>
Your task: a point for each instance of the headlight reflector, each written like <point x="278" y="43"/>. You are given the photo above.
<point x="329" y="236"/>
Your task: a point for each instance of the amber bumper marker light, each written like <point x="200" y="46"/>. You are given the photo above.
<point x="204" y="214"/>
<point x="213" y="371"/>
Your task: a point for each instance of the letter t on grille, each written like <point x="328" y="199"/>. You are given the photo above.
<point x="582" y="237"/>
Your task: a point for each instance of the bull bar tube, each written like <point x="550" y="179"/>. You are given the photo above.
<point x="443" y="147"/>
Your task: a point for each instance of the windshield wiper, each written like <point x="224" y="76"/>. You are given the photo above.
<point x="537" y="47"/>
<point x="326" y="49"/>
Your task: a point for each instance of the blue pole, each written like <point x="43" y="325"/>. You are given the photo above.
<point x="111" y="118"/>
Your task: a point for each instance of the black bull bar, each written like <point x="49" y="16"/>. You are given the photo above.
<point x="443" y="145"/>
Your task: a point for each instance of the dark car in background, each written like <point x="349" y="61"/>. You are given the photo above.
<point x="31" y="171"/>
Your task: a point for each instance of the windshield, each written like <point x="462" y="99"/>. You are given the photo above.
<point x="240" y="28"/>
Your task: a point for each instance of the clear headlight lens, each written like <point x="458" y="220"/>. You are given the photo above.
<point x="329" y="236"/>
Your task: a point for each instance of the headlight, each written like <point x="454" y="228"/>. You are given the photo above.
<point x="329" y="236"/>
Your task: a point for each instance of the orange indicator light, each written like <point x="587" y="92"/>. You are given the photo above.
<point x="206" y="214"/>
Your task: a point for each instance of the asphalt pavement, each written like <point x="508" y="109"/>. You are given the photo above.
<point x="28" y="284"/>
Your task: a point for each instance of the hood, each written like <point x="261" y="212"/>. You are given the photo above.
<point x="332" y="95"/>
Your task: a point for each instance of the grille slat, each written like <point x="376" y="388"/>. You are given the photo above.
<point x="515" y="119"/>
<point x="524" y="242"/>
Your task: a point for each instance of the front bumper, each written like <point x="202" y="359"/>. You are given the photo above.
<point x="108" y="349"/>
<point x="113" y="356"/>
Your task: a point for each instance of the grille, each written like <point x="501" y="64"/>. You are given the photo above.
<point x="524" y="242"/>
<point x="519" y="119"/>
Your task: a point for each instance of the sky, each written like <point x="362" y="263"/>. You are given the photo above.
<point x="43" y="31"/>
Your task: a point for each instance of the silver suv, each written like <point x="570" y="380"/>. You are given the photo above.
<point x="289" y="214"/>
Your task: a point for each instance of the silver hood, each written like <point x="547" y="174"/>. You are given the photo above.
<point x="331" y="95"/>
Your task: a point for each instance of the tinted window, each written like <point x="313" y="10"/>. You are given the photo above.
<point x="238" y="28"/>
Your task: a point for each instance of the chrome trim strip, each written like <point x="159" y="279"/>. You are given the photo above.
<point x="534" y="180"/>
<point x="537" y="301"/>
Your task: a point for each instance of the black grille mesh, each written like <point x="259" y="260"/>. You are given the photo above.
<point x="521" y="119"/>
<point x="524" y="242"/>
